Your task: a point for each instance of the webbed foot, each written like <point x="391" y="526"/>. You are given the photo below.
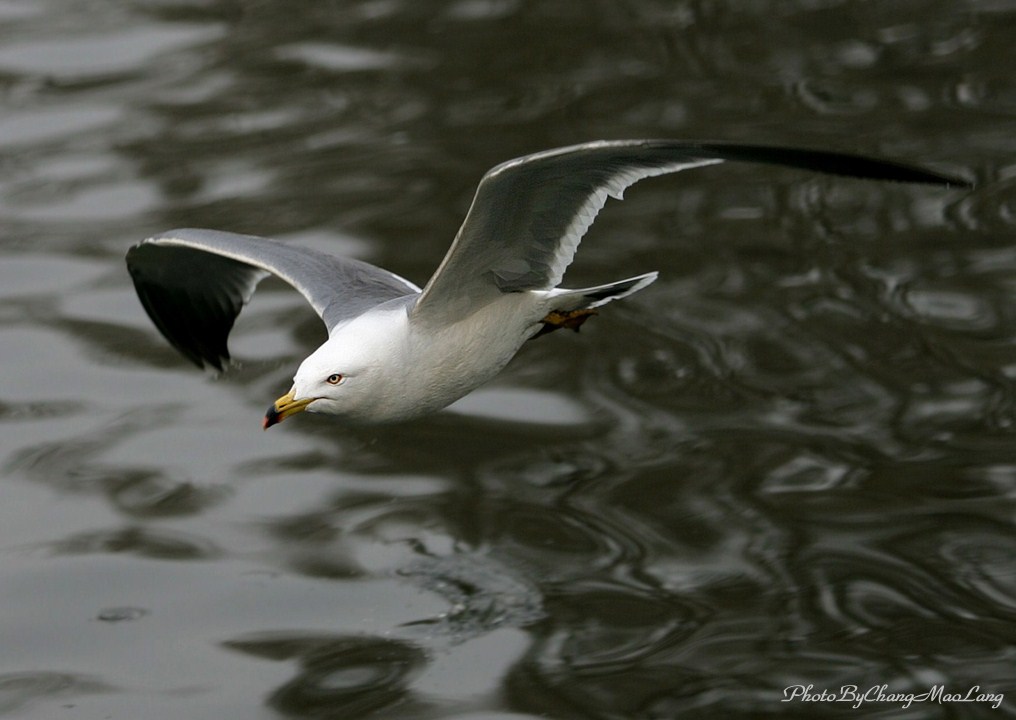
<point x="571" y="319"/>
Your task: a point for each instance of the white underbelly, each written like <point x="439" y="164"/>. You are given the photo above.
<point x="459" y="358"/>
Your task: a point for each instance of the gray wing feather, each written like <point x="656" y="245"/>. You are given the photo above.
<point x="193" y="284"/>
<point x="529" y="214"/>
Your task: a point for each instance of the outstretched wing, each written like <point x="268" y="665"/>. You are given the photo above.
<point x="193" y="284"/>
<point x="529" y="214"/>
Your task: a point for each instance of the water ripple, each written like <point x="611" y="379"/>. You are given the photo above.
<point x="142" y="542"/>
<point x="338" y="676"/>
<point x="89" y="58"/>
<point x="20" y="689"/>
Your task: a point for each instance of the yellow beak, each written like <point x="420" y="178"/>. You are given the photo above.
<point x="283" y="408"/>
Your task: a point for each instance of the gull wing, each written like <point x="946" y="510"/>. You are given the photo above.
<point x="529" y="214"/>
<point x="193" y="284"/>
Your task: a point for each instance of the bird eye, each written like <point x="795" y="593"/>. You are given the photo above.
<point x="333" y="379"/>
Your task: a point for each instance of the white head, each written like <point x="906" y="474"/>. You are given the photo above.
<point x="351" y="373"/>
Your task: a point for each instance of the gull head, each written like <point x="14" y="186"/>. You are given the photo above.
<point x="328" y="381"/>
<point x="350" y="375"/>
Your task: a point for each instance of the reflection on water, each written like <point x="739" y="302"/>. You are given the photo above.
<point x="789" y="462"/>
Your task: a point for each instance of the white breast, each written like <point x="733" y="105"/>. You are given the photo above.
<point x="460" y="357"/>
<point x="400" y="370"/>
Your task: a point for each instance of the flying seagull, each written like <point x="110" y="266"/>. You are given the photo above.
<point x="396" y="352"/>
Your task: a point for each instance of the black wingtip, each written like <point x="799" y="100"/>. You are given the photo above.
<point x="183" y="293"/>
<point x="833" y="163"/>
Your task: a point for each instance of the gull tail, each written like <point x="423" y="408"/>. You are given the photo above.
<point x="569" y="300"/>
<point x="570" y="308"/>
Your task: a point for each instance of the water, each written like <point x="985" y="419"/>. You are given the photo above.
<point x="789" y="462"/>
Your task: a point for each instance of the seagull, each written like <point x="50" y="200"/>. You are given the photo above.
<point x="395" y="351"/>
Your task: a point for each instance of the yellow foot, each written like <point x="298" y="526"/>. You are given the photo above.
<point x="572" y="320"/>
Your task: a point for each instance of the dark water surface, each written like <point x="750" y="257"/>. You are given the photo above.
<point x="789" y="462"/>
